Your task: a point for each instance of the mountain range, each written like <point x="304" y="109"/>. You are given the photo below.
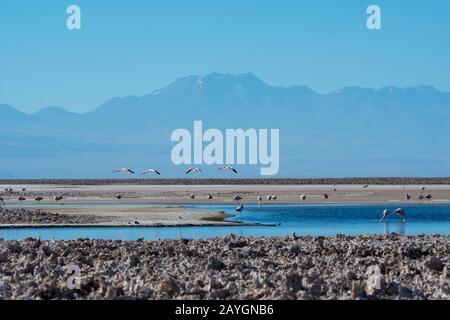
<point x="349" y="132"/>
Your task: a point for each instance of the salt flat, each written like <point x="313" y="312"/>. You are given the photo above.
<point x="173" y="194"/>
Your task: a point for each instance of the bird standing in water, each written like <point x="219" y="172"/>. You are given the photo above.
<point x="400" y="212"/>
<point x="260" y="200"/>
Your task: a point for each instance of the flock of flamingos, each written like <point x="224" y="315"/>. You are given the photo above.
<point x="400" y="212"/>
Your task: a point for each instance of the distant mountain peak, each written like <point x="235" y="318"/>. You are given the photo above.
<point x="52" y="110"/>
<point x="215" y="77"/>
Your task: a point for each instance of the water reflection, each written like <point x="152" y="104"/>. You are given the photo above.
<point x="398" y="227"/>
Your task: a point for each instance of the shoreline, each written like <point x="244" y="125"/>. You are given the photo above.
<point x="76" y="226"/>
<point x="162" y="203"/>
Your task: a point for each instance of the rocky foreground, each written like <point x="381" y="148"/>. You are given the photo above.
<point x="365" y="267"/>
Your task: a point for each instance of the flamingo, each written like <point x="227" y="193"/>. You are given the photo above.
<point x="192" y="170"/>
<point x="260" y="199"/>
<point x="60" y="197"/>
<point x="386" y="213"/>
<point x="151" y="171"/>
<point x="269" y="197"/>
<point x="274" y="197"/>
<point x="239" y="208"/>
<point x="2" y="201"/>
<point x="124" y="170"/>
<point x="192" y="196"/>
<point x="408" y="196"/>
<point x="325" y="195"/>
<point x="21" y="199"/>
<point x="303" y="197"/>
<point x="365" y="186"/>
<point x="429" y="196"/>
<point x="237" y="198"/>
<point x="39" y="199"/>
<point x="119" y="196"/>
<point x="210" y="196"/>
<point x="229" y="168"/>
<point x="400" y="212"/>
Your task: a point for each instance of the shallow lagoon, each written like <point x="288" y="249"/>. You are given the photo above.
<point x="314" y="220"/>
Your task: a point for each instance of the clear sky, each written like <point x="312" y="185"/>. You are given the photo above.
<point x="136" y="46"/>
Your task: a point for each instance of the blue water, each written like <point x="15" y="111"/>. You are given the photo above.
<point x="312" y="220"/>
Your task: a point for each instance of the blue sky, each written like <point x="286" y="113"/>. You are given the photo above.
<point x="134" y="47"/>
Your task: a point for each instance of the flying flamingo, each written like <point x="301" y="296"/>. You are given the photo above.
<point x="151" y="171"/>
<point x="229" y="168"/>
<point x="192" y="170"/>
<point x="124" y="170"/>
